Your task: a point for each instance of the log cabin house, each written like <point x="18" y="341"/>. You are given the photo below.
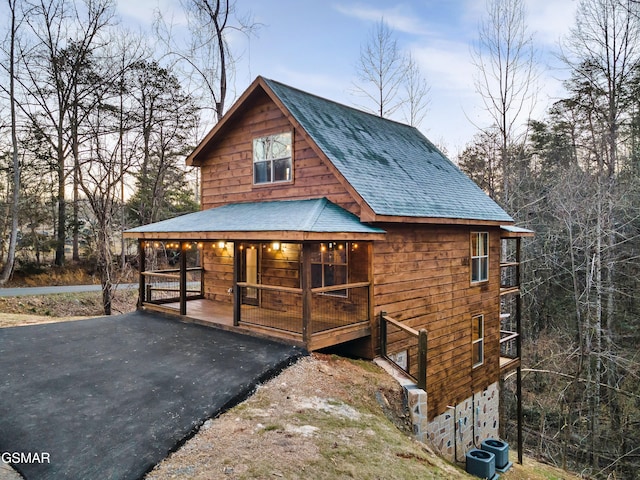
<point x="326" y="226"/>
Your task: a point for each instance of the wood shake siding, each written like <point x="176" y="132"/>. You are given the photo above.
<point x="218" y="273"/>
<point x="422" y="278"/>
<point x="227" y="173"/>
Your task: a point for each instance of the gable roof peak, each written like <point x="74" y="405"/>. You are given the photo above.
<point x="394" y="168"/>
<point x="391" y="166"/>
<point x="377" y="118"/>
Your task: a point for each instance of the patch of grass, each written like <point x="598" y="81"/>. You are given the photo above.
<point x="272" y="427"/>
<point x="63" y="305"/>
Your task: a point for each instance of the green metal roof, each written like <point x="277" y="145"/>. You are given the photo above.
<point x="316" y="215"/>
<point x="392" y="166"/>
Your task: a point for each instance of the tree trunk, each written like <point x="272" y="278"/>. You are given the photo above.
<point x="104" y="266"/>
<point x="15" y="198"/>
<point x="62" y="210"/>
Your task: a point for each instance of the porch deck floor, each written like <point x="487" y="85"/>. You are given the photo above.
<point x="277" y="325"/>
<point x="209" y="311"/>
<point x="507" y="364"/>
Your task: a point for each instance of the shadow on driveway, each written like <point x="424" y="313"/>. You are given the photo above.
<point x="109" y="398"/>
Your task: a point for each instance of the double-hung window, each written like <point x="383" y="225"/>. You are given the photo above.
<point x="477" y="340"/>
<point x="479" y="256"/>
<point x="272" y="159"/>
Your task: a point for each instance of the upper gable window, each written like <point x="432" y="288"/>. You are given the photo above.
<point x="272" y="159"/>
<point x="479" y="257"/>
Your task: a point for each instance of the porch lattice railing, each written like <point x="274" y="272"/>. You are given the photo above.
<point x="339" y="306"/>
<point x="163" y="286"/>
<point x="405" y="347"/>
<point x="282" y="308"/>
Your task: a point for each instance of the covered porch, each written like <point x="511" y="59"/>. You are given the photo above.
<point x="310" y="285"/>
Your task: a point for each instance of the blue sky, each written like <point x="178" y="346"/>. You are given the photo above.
<point x="315" y="45"/>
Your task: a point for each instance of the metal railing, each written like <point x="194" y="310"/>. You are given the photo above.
<point x="405" y="347"/>
<point x="509" y="275"/>
<point x="271" y="306"/>
<point x="282" y="308"/>
<point x="163" y="286"/>
<point x="339" y="306"/>
<point x="509" y="347"/>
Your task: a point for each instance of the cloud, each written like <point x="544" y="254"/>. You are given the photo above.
<point x="446" y="65"/>
<point x="398" y="18"/>
<point x="328" y="85"/>
<point x="549" y="21"/>
<point x="142" y="12"/>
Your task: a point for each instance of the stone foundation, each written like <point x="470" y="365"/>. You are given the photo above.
<point x="462" y="427"/>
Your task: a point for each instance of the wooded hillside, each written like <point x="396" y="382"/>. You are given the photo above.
<point x="574" y="178"/>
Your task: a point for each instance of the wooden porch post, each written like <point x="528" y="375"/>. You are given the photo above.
<point x="519" y="352"/>
<point x="141" y="268"/>
<point x="305" y="280"/>
<point x="375" y="329"/>
<point x="237" y="294"/>
<point x="422" y="359"/>
<point x="183" y="278"/>
<point x="383" y="333"/>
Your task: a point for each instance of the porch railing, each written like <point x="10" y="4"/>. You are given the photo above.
<point x="509" y="275"/>
<point x="339" y="306"/>
<point x="163" y="286"/>
<point x="405" y="347"/>
<point x="282" y="308"/>
<point x="271" y="306"/>
<point x="509" y="347"/>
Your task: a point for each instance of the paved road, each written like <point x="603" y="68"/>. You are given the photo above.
<point x="25" y="291"/>
<point x="108" y="398"/>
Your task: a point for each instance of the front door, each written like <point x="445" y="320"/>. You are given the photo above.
<point x="250" y="273"/>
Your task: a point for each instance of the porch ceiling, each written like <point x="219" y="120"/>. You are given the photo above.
<point x="316" y="219"/>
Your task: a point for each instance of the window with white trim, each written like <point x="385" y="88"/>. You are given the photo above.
<point x="272" y="159"/>
<point x="477" y="340"/>
<point x="479" y="257"/>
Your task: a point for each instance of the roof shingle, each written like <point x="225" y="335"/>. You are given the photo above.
<point x="316" y="216"/>
<point x="392" y="166"/>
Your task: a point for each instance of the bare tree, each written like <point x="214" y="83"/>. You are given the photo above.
<point x="480" y="160"/>
<point x="389" y="79"/>
<point x="100" y="176"/>
<point x="504" y="58"/>
<point x="603" y="51"/>
<point x="416" y="91"/>
<point x="53" y="72"/>
<point x="164" y="118"/>
<point x="380" y="69"/>
<point x="208" y="56"/>
<point x="15" y="196"/>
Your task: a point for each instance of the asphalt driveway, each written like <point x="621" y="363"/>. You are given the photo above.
<point x="109" y="398"/>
